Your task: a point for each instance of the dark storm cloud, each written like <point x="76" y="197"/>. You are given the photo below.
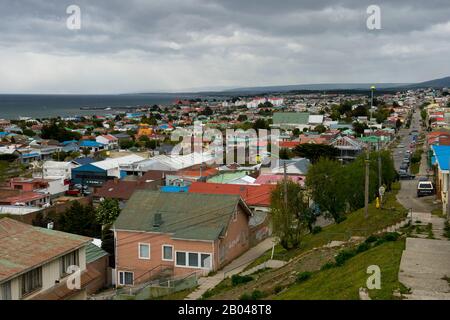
<point x="148" y="45"/>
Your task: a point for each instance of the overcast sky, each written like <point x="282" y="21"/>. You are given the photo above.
<point x="170" y="45"/>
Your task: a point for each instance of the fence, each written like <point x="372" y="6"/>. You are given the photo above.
<point x="158" y="288"/>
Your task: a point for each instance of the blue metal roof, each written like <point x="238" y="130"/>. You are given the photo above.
<point x="88" y="168"/>
<point x="89" y="143"/>
<point x="174" y="189"/>
<point x="30" y="155"/>
<point x="65" y="143"/>
<point x="442" y="155"/>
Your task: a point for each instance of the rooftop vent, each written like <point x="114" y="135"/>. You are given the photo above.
<point x="157" y="220"/>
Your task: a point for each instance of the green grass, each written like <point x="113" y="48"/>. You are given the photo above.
<point x="180" y="295"/>
<point x="343" y="283"/>
<point x="438" y="213"/>
<point x="224" y="285"/>
<point x="354" y="225"/>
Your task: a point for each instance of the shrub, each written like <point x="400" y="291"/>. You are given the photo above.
<point x="208" y="293"/>
<point x="237" y="279"/>
<point x="316" y="229"/>
<point x="363" y="247"/>
<point x="256" y="295"/>
<point x="277" y="289"/>
<point x="303" y="276"/>
<point x="340" y="219"/>
<point x="371" y="239"/>
<point x="327" y="266"/>
<point x="391" y="236"/>
<point x="245" y="296"/>
<point x="343" y="256"/>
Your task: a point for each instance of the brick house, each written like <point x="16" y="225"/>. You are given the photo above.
<point x="178" y="233"/>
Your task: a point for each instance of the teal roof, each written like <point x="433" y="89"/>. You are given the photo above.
<point x="290" y="118"/>
<point x="227" y="177"/>
<point x="94" y="253"/>
<point x="192" y="216"/>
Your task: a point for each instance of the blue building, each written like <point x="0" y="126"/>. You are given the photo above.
<point x="89" y="175"/>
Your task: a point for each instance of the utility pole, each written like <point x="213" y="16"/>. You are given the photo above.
<point x="379" y="164"/>
<point x="285" y="185"/>
<point x="366" y="189"/>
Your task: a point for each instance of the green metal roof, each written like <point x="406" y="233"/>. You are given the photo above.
<point x="227" y="177"/>
<point x="371" y="139"/>
<point x="183" y="215"/>
<point x="290" y="118"/>
<point x="94" y="253"/>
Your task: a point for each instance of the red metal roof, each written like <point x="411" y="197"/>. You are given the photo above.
<point x="253" y="195"/>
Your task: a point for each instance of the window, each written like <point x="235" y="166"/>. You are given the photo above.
<point x="71" y="259"/>
<point x="205" y="261"/>
<point x="5" y="291"/>
<point x="144" y="251"/>
<point x="181" y="258"/>
<point x="167" y="252"/>
<point x="193" y="259"/>
<point x="126" y="278"/>
<point x="31" y="281"/>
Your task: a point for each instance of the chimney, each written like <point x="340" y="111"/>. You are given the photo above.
<point x="157" y="220"/>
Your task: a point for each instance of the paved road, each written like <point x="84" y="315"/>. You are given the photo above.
<point x="425" y="262"/>
<point x="408" y="192"/>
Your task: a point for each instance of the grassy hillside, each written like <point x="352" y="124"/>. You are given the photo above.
<point x="343" y="283"/>
<point x="355" y="225"/>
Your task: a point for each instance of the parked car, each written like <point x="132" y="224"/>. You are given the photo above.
<point x="73" y="192"/>
<point x="403" y="175"/>
<point x="425" y="188"/>
<point x="404" y="166"/>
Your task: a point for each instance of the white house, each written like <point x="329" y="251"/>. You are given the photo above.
<point x="109" y="140"/>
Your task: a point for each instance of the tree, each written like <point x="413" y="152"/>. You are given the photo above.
<point x="242" y="117"/>
<point x="359" y="127"/>
<point x="287" y="218"/>
<point x="85" y="151"/>
<point x="107" y="212"/>
<point x="324" y="180"/>
<point x="58" y="132"/>
<point x="296" y="132"/>
<point x="423" y="114"/>
<point x="207" y="111"/>
<point x="81" y="220"/>
<point x="285" y="154"/>
<point x="261" y="124"/>
<point x="126" y="144"/>
<point x="320" y="128"/>
<point x="314" y="152"/>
